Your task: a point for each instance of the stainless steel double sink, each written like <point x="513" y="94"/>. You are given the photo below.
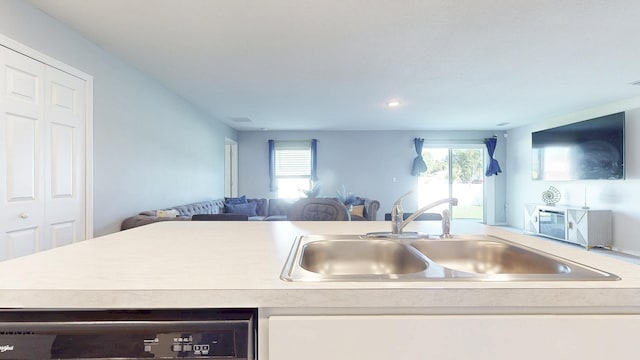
<point x="379" y="258"/>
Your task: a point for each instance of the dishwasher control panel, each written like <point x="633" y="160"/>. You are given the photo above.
<point x="214" y="344"/>
<point x="131" y="334"/>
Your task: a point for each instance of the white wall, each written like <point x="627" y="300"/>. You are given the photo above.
<point x="152" y="149"/>
<point x="621" y="196"/>
<point x="366" y="163"/>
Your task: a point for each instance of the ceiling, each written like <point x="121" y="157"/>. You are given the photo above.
<point x="334" y="64"/>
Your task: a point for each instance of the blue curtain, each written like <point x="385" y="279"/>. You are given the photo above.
<point x="494" y="167"/>
<point x="272" y="166"/>
<point x="314" y="161"/>
<point x="419" y="166"/>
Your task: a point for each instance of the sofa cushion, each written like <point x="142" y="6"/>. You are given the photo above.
<point x="262" y="206"/>
<point x="357" y="210"/>
<point x="236" y="200"/>
<point x="276" y="218"/>
<point x="170" y="213"/>
<point x="248" y="209"/>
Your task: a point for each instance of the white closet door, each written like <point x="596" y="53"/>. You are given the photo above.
<point x="21" y="154"/>
<point x="64" y="164"/>
<point x="42" y="156"/>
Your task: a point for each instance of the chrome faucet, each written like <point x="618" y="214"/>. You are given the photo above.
<point x="397" y="214"/>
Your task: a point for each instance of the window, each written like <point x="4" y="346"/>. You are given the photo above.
<point x="292" y="167"/>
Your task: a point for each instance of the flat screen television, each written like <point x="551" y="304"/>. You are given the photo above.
<point x="587" y="150"/>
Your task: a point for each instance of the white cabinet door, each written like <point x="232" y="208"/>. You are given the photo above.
<point x="589" y="228"/>
<point x="42" y="156"/>
<point x="531" y="218"/>
<point x="452" y="337"/>
<point x="578" y="227"/>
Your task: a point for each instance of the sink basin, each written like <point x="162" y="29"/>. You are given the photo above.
<point x="415" y="258"/>
<point x="358" y="257"/>
<point x="489" y="257"/>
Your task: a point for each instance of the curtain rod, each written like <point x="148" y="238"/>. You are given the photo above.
<point x="452" y="141"/>
<point x="296" y="140"/>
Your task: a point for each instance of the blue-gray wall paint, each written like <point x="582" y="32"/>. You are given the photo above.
<point x="152" y="149"/>
<point x="620" y="196"/>
<point x="366" y="162"/>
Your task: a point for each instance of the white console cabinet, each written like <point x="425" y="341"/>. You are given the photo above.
<point x="585" y="227"/>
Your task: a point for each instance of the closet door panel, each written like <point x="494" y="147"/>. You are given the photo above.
<point x="22" y="126"/>
<point x="65" y="142"/>
<point x="62" y="161"/>
<point x="63" y="233"/>
<point x="22" y="158"/>
<point x="23" y="242"/>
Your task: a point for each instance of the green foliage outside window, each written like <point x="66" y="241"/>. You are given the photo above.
<point x="466" y="165"/>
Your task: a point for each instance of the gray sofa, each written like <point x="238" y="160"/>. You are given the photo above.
<point x="265" y="210"/>
<point x="185" y="213"/>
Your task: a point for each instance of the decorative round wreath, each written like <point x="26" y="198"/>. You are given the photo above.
<point x="551" y="196"/>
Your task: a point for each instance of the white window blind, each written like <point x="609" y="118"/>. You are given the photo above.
<point x="293" y="159"/>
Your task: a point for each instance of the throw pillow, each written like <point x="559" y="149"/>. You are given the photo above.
<point x="357" y="210"/>
<point x="171" y="213"/>
<point x="236" y="200"/>
<point x="248" y="209"/>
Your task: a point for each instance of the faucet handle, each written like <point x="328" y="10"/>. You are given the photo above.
<point x="397" y="214"/>
<point x="446" y="222"/>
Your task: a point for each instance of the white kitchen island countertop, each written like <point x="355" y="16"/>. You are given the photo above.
<point x="181" y="264"/>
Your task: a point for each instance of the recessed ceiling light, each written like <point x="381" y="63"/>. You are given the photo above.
<point x="503" y="124"/>
<point x="393" y="103"/>
<point x="637" y="83"/>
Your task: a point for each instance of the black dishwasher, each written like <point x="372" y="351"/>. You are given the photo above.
<point x="128" y="334"/>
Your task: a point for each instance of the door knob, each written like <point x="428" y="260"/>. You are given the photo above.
<point x="23" y="215"/>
